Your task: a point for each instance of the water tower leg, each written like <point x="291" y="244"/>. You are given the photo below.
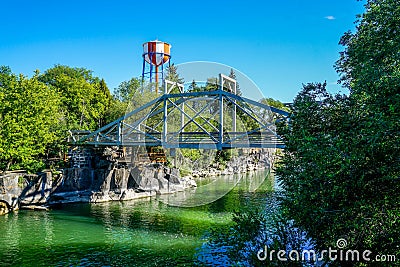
<point x="143" y="70"/>
<point x="156" y="80"/>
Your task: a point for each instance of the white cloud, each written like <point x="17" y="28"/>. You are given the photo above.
<point x="330" y="17"/>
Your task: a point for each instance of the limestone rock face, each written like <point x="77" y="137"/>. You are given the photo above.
<point x="88" y="185"/>
<point x="37" y="188"/>
<point x="147" y="179"/>
<point x="10" y="190"/>
<point x="75" y="179"/>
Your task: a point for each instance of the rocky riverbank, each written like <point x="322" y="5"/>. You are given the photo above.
<point x="254" y="160"/>
<point x="21" y="190"/>
<point x="106" y="179"/>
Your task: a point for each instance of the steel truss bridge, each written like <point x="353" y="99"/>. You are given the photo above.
<point x="216" y="119"/>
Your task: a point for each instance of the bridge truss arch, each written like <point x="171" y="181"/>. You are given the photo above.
<point x="216" y="119"/>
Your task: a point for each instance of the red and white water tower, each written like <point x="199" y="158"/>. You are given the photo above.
<point x="155" y="55"/>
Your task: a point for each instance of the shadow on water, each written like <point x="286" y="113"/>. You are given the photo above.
<point x="257" y="227"/>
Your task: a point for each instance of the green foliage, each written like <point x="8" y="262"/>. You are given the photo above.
<point x="212" y="84"/>
<point x="173" y="75"/>
<point x="193" y="87"/>
<point x="124" y="98"/>
<point x="116" y="109"/>
<point x="224" y="155"/>
<point x="29" y="121"/>
<point x="37" y="112"/>
<point x="340" y="167"/>
<point x="192" y="154"/>
<point x="370" y="60"/>
<point x="184" y="172"/>
<point x="274" y="103"/>
<point x="127" y="90"/>
<point x="85" y="99"/>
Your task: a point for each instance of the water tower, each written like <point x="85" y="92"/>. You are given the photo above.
<point x="155" y="55"/>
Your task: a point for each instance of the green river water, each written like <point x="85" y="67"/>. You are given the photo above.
<point x="145" y="232"/>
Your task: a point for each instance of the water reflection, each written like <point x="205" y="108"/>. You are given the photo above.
<point x="209" y="192"/>
<point x="211" y="189"/>
<point x="144" y="232"/>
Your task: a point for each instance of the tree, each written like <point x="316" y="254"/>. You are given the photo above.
<point x="318" y="190"/>
<point x="193" y="87"/>
<point x="127" y="89"/>
<point x="173" y="75"/>
<point x="370" y="68"/>
<point x="274" y="103"/>
<point x="339" y="167"/>
<point x="104" y="93"/>
<point x="232" y="75"/>
<point x="212" y="84"/>
<point x="85" y="98"/>
<point x="29" y="121"/>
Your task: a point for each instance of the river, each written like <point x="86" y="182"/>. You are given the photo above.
<point x="145" y="232"/>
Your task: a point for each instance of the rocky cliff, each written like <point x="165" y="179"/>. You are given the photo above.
<point x="87" y="185"/>
<point x="99" y="179"/>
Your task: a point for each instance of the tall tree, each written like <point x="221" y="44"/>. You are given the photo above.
<point x="212" y="84"/>
<point x="29" y="121"/>
<point x="340" y="166"/>
<point x="232" y="75"/>
<point x="193" y="87"/>
<point x="370" y="68"/>
<point x="173" y="75"/>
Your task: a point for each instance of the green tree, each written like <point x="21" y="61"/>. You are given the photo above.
<point x="85" y="98"/>
<point x="173" y="75"/>
<point x="340" y="166"/>
<point x="29" y="121"/>
<point x="274" y="103"/>
<point x="193" y="87"/>
<point x="232" y="75"/>
<point x="126" y="90"/>
<point x="124" y="97"/>
<point x="370" y="68"/>
<point x="212" y="84"/>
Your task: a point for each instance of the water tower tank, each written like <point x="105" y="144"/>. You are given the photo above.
<point x="156" y="52"/>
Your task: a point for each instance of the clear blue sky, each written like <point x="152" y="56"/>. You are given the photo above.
<point x="278" y="44"/>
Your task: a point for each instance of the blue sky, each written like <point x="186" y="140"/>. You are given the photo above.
<point x="278" y="44"/>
